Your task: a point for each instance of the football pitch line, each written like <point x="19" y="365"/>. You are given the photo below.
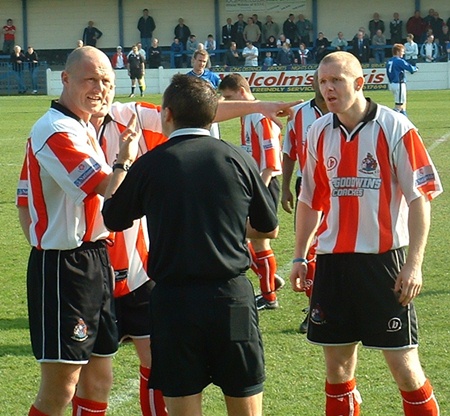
<point x="443" y="139"/>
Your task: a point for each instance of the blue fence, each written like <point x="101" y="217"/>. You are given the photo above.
<point x="10" y="79"/>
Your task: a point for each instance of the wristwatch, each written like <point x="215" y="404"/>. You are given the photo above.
<point x="122" y="166"/>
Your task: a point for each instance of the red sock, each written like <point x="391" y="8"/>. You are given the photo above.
<point x="35" y="412"/>
<point x="152" y="401"/>
<point x="342" y="399"/>
<point x="420" y="402"/>
<point x="267" y="266"/>
<point x="253" y="265"/>
<point x="85" y="407"/>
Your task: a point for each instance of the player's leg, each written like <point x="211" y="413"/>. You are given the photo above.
<point x="57" y="387"/>
<point x="342" y="397"/>
<point x="416" y="390"/>
<point x="133" y="86"/>
<point x="184" y="406"/>
<point x="244" y="406"/>
<point x="266" y="267"/>
<point x="93" y="387"/>
<point x="151" y="400"/>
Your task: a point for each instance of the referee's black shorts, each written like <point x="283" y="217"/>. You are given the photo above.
<point x="206" y="332"/>
<point x="70" y="304"/>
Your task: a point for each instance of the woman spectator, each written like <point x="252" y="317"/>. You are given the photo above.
<point x="411" y="49"/>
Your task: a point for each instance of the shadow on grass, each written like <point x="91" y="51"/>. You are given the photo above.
<point x="15" y="350"/>
<point x="14" y="323"/>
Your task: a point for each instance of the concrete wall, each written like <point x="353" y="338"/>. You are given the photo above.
<point x="430" y="76"/>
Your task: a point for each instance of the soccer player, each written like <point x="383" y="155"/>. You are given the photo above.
<point x="72" y="323"/>
<point x="294" y="149"/>
<point x="201" y="197"/>
<point x="368" y="181"/>
<point x="396" y="68"/>
<point x="260" y="137"/>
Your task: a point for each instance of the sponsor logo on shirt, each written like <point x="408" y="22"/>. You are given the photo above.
<point x="84" y="171"/>
<point x="268" y="145"/>
<point x="353" y="185"/>
<point x="423" y="176"/>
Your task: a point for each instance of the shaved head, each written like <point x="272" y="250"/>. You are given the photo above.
<point x="346" y="61"/>
<point x="87" y="53"/>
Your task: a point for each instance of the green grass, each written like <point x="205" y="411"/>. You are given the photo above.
<point x="295" y="371"/>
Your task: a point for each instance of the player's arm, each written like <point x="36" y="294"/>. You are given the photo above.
<point x="25" y="221"/>
<point x="287" y="198"/>
<point x="266" y="175"/>
<point x="409" y="280"/>
<point x="306" y="223"/>
<point x="227" y="110"/>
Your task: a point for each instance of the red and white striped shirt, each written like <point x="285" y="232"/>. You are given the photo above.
<point x="261" y="138"/>
<point x="63" y="166"/>
<point x="130" y="251"/>
<point x="364" y="180"/>
<point x="305" y="114"/>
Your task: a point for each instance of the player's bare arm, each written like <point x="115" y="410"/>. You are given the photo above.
<point x="25" y="221"/>
<point x="307" y="221"/>
<point x="287" y="198"/>
<point x="227" y="110"/>
<point x="252" y="233"/>
<point x="409" y="280"/>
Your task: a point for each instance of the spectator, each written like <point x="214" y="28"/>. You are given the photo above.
<point x="191" y="46"/>
<point x="281" y="40"/>
<point x="429" y="51"/>
<point x="232" y="57"/>
<point x="411" y="50"/>
<point x="396" y="68"/>
<point x="154" y="54"/>
<point x="416" y="25"/>
<point x="210" y="47"/>
<point x="91" y="34"/>
<point x="239" y="27"/>
<point x="290" y="29"/>
<point x="80" y="43"/>
<point x="320" y="46"/>
<point x="9" y="36"/>
<point x="378" y="46"/>
<point x="437" y="24"/>
<point x="142" y="51"/>
<point x="445" y="42"/>
<point x="257" y="22"/>
<point x="304" y="55"/>
<point x="429" y="19"/>
<point x="285" y="56"/>
<point x="146" y="26"/>
<point x="185" y="341"/>
<point x="32" y="61"/>
<point x="136" y="70"/>
<point x="227" y="34"/>
<point x="268" y="60"/>
<point x="250" y="53"/>
<point x="364" y="283"/>
<point x="396" y="29"/>
<point x="271" y="42"/>
<point x="270" y="28"/>
<point x="182" y="32"/>
<point x="304" y="29"/>
<point x="177" y="52"/>
<point x="17" y="62"/>
<point x="119" y="59"/>
<point x="375" y="24"/>
<point x="252" y="33"/>
<point x="365" y="35"/>
<point x="361" y="48"/>
<point x="339" y="43"/>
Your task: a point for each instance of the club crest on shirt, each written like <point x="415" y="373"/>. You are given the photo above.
<point x="80" y="331"/>
<point x="369" y="165"/>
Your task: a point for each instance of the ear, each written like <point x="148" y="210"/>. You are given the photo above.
<point x="359" y="83"/>
<point x="167" y="115"/>
<point x="64" y="77"/>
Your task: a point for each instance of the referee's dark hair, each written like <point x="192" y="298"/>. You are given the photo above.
<point x="192" y="101"/>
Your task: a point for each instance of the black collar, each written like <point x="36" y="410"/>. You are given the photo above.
<point x="59" y="107"/>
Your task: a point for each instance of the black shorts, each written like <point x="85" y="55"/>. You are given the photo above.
<point x="70" y="304"/>
<point x="274" y="189"/>
<point x="132" y="312"/>
<point x="206" y="332"/>
<point x="136" y="73"/>
<point x="353" y="300"/>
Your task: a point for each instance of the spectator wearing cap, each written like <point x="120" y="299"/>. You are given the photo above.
<point x="119" y="59"/>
